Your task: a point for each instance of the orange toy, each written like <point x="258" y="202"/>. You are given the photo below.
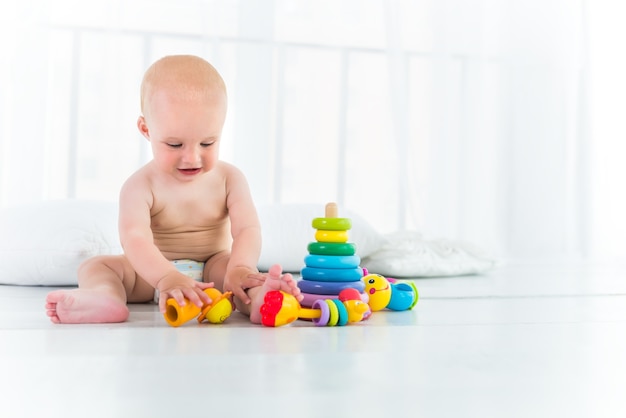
<point x="216" y="312"/>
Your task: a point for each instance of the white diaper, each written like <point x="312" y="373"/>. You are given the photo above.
<point x="191" y="268"/>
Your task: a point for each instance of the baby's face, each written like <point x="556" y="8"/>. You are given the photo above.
<point x="185" y="133"/>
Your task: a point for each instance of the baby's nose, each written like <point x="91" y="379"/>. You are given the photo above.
<point x="191" y="156"/>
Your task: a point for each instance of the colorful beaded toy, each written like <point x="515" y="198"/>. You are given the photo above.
<point x="280" y="308"/>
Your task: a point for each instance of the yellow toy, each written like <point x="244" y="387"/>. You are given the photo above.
<point x="216" y="312"/>
<point x="389" y="293"/>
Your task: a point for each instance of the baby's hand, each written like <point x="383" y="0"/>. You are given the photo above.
<point x="240" y="279"/>
<point x="178" y="286"/>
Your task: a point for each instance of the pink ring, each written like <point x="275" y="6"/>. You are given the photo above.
<point x="324" y="312"/>
<point x="310" y="298"/>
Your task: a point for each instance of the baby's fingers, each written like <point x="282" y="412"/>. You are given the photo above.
<point x="241" y="294"/>
<point x="258" y="276"/>
<point x="204" y="298"/>
<point x="253" y="280"/>
<point x="175" y="294"/>
<point x="197" y="296"/>
<point x="204" y="285"/>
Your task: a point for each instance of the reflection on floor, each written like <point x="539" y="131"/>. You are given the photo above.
<point x="526" y="340"/>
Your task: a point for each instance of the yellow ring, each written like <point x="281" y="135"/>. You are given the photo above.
<point x="323" y="235"/>
<point x="334" y="313"/>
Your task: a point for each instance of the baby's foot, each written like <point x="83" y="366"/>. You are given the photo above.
<point x="274" y="281"/>
<point x="80" y="306"/>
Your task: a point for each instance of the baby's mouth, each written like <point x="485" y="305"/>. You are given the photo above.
<point x="189" y="171"/>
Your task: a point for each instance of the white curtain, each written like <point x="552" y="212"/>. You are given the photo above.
<point x="478" y="120"/>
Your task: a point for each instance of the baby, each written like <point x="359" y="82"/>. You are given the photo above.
<point x="185" y="204"/>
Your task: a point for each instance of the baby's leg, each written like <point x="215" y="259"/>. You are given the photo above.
<point x="274" y="281"/>
<point x="104" y="283"/>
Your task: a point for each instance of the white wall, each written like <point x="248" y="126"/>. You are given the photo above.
<point x="483" y="120"/>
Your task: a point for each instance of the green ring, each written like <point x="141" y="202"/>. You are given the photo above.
<point x="334" y="313"/>
<point x="332" y="248"/>
<point x="417" y="296"/>
<point x="332" y="224"/>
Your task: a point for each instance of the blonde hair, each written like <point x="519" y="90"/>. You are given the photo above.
<point x="186" y="75"/>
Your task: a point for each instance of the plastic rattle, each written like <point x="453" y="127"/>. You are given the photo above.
<point x="281" y="308"/>
<point x="396" y="296"/>
<point x="216" y="312"/>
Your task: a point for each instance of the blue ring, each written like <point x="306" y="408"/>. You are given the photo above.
<point x="332" y="261"/>
<point x="329" y="288"/>
<point x="332" y="275"/>
<point x="343" y="312"/>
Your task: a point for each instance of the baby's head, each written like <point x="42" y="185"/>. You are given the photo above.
<point x="185" y="78"/>
<point x="183" y="104"/>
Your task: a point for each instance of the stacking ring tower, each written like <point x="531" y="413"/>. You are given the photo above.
<point x="332" y="264"/>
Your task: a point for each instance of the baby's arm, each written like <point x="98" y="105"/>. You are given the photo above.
<point x="138" y="243"/>
<point x="241" y="272"/>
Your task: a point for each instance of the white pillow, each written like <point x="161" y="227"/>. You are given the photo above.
<point x="287" y="231"/>
<point x="407" y="254"/>
<point x="44" y="243"/>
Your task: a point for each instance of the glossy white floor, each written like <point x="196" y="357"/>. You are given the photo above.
<point x="526" y="340"/>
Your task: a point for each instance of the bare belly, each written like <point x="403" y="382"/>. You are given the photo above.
<point x="197" y="245"/>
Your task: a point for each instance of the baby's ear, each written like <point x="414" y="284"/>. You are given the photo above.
<point x="143" y="127"/>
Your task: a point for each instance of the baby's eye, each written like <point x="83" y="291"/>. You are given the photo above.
<point x="206" y="144"/>
<point x="174" y="145"/>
